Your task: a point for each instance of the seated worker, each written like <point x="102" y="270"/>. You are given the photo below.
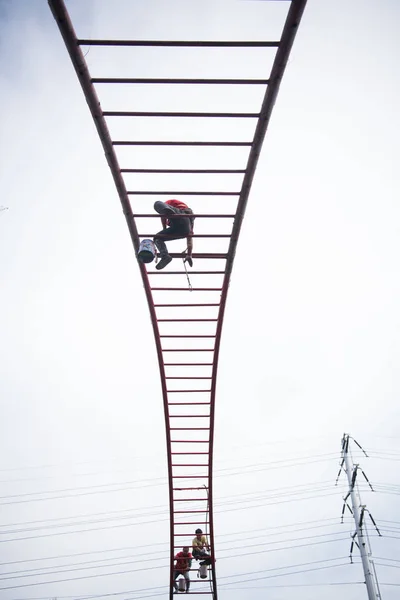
<point x="173" y="229"/>
<point x="200" y="544"/>
<point x="182" y="567"/>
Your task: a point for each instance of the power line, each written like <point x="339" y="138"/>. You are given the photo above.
<point x="163" y="480"/>
<point x="151" y="568"/>
<point x="286" y="574"/>
<point x="26" y="573"/>
<point x="386" y="521"/>
<point x="263" y="493"/>
<point x="297" y="585"/>
<point x="120" y="564"/>
<point x="274" y="527"/>
<point x="391" y="566"/>
<point x="139" y="515"/>
<point x="140" y="458"/>
<point x="225" y="510"/>
<point x="372" y="454"/>
<point x="265" y="577"/>
<point x="292" y="585"/>
<point x="284" y="541"/>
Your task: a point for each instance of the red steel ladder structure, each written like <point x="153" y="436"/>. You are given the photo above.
<point x="186" y="317"/>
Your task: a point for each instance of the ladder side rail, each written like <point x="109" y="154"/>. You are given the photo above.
<point x="278" y="68"/>
<point x="67" y="31"/>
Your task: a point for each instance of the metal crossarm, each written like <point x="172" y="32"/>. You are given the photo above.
<point x="186" y="320"/>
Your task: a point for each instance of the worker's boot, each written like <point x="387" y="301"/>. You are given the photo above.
<point x="165" y="260"/>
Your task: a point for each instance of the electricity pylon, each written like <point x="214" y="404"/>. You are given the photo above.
<point x="358" y="511"/>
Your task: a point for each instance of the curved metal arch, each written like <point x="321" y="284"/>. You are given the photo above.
<point x="272" y="84"/>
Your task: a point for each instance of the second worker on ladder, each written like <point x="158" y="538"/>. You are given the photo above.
<point x="182" y="567"/>
<point x="174" y="228"/>
<point x="199" y="546"/>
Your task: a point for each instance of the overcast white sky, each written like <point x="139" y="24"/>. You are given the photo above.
<point x="310" y="344"/>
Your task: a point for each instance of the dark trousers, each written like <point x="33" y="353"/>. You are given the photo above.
<point x="178" y="229"/>
<point x="203" y="556"/>
<point x="186" y="576"/>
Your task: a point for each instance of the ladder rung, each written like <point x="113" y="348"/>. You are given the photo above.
<point x="177" y="114"/>
<point x="179" y="305"/>
<point x="179" y="44"/>
<point x="189" y="403"/>
<point x="180" y="546"/>
<point x="206" y="592"/>
<point x="186" y="391"/>
<point x="187" y="350"/>
<point x="194" y="215"/>
<point x="184" y="512"/>
<point x="181" y="143"/>
<point x="189" y="416"/>
<point x="180" y="81"/>
<point x="191" y="377"/>
<point x="190" y="476"/>
<point x="185" y="320"/>
<point x="183" y="273"/>
<point x="190" y="499"/>
<point x="188" y="364"/>
<point x="188" y="336"/>
<point x="192" y="171"/>
<point x="182" y="534"/>
<point x="184" y="289"/>
<point x="193" y="235"/>
<point x="189" y="465"/>
<point x="178" y="523"/>
<point x="189" y="428"/>
<point x="186" y="453"/>
<point x="205" y="523"/>
<point x="178" y="193"/>
<point x="190" y="441"/>
<point x="202" y="255"/>
<point x="188" y="488"/>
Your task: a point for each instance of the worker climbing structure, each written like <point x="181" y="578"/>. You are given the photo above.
<point x="186" y="305"/>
